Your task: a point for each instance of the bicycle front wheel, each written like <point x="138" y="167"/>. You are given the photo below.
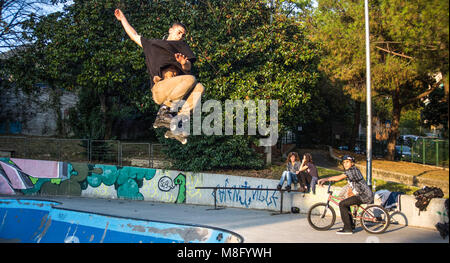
<point x="321" y="217"/>
<point x="375" y="219"/>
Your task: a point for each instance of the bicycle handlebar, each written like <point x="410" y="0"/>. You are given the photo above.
<point x="329" y="187"/>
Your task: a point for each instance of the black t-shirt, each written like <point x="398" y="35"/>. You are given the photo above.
<point x="160" y="54"/>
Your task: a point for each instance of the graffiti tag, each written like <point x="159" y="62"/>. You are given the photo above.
<point x="246" y="197"/>
<point x="166" y="184"/>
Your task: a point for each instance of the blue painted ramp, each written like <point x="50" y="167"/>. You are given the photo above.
<point x="37" y="221"/>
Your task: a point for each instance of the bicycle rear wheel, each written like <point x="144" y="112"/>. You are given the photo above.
<point x="375" y="219"/>
<point x="321" y="217"/>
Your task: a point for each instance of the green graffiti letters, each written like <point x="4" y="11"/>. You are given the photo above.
<point x="180" y="180"/>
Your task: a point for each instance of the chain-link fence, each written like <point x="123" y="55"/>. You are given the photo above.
<point x="84" y="150"/>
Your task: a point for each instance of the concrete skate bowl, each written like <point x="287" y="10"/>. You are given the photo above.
<point x="39" y="221"/>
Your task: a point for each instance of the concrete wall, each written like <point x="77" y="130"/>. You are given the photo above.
<point x="34" y="177"/>
<point x="30" y="114"/>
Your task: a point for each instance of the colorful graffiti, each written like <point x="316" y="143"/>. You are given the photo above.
<point x="81" y="179"/>
<point x="36" y="177"/>
<point x="166" y="184"/>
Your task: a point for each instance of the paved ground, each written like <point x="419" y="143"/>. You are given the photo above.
<point x="255" y="226"/>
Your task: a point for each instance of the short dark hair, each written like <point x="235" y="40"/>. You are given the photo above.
<point x="179" y="24"/>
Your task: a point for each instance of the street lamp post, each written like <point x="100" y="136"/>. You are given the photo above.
<point x="368" y="100"/>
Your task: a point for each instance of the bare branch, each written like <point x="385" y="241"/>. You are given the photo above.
<point x="394" y="53"/>
<point x="12" y="15"/>
<point x="420" y="96"/>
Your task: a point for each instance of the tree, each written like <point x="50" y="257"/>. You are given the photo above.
<point x="399" y="52"/>
<point x="12" y="14"/>
<point x="242" y="55"/>
<point x="436" y="110"/>
<point x="82" y="48"/>
<point x="337" y="27"/>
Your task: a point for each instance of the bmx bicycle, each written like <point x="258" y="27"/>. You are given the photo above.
<point x="373" y="218"/>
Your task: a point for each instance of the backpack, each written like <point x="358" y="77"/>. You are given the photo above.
<point x="424" y="196"/>
<point x="443" y="227"/>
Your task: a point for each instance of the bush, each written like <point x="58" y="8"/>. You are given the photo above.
<point x="203" y="153"/>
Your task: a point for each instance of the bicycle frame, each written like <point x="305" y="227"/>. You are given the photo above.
<point x="336" y="200"/>
<point x="373" y="218"/>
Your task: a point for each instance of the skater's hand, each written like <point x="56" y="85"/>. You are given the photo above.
<point x="182" y="59"/>
<point x="119" y="15"/>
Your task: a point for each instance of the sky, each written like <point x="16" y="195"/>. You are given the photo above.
<point x="43" y="10"/>
<point x="54" y="8"/>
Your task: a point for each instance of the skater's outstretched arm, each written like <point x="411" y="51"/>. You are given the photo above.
<point x="128" y="28"/>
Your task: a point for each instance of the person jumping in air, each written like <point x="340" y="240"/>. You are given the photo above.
<point x="169" y="64"/>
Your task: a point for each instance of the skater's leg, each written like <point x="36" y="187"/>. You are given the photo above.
<point x="192" y="100"/>
<point x="170" y="90"/>
<point x="166" y="92"/>
<point x="193" y="97"/>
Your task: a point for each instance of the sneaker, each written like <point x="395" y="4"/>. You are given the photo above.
<point x="161" y="123"/>
<point x="179" y="137"/>
<point x="278" y="187"/>
<point x="288" y="188"/>
<point x="163" y="118"/>
<point x="344" y="232"/>
<point x="183" y="121"/>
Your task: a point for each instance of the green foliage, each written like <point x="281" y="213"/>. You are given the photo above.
<point x="436" y="110"/>
<point x="82" y="49"/>
<point x="203" y="153"/>
<point x="410" y="122"/>
<point x="245" y="50"/>
<point x="244" y="56"/>
<point x="409" y="43"/>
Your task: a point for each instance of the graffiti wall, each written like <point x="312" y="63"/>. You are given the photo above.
<point x="35" y="177"/>
<point x="259" y="199"/>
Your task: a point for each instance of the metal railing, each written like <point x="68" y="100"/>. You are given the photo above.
<point x="115" y="152"/>
<point x="430" y="151"/>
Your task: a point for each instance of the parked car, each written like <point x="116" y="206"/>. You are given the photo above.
<point x="356" y="149"/>
<point x="407" y="139"/>
<point x="403" y="152"/>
